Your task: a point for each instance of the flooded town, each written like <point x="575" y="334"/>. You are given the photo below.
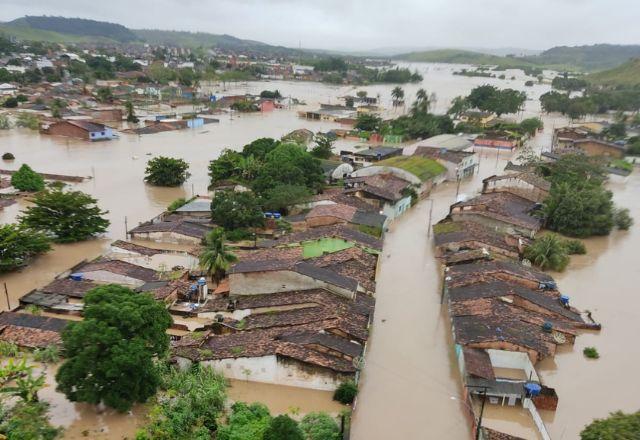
<point x="208" y="237"/>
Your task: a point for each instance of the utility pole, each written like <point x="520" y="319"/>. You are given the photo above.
<point x="6" y="294"/>
<point x="430" y="215"/>
<point x="126" y="228"/>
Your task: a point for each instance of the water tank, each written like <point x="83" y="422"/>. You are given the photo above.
<point x="276" y="215"/>
<point x="202" y="281"/>
<point x="532" y="389"/>
<point x="193" y="288"/>
<point x="547" y="327"/>
<point x="77" y="276"/>
<point x="268" y="214"/>
<point x="564" y="299"/>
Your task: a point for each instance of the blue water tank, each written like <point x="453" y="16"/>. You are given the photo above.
<point x="547" y="327"/>
<point x="193" y="288"/>
<point x="268" y="214"/>
<point x="276" y="215"/>
<point x="533" y="389"/>
<point x="202" y="281"/>
<point x="77" y="276"/>
<point x="564" y="299"/>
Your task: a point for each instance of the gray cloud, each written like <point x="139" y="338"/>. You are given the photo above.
<point x="368" y="24"/>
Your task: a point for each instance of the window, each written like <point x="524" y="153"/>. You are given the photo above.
<point x="102" y="133"/>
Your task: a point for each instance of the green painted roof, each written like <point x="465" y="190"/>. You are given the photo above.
<point x="422" y="167"/>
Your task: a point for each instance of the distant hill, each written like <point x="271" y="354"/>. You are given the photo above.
<point x="588" y="58"/>
<point x="581" y="58"/>
<point x="457" y="56"/>
<point x="79" y="29"/>
<point x="628" y="74"/>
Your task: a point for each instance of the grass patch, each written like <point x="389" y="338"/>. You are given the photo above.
<point x="447" y="227"/>
<point x="421" y="167"/>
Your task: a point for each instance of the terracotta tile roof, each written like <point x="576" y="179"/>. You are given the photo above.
<point x="478" y="363"/>
<point x="502" y="206"/>
<point x="342" y="212"/>
<point x="492" y="434"/>
<point x="121" y="268"/>
<point x="463" y="274"/>
<point x="526" y="176"/>
<point x="182" y="227"/>
<point x="453" y="156"/>
<point x="29" y="337"/>
<point x="32" y="321"/>
<point x="136" y="248"/>
<point x="339" y="231"/>
<point x="69" y="287"/>
<point x="449" y="232"/>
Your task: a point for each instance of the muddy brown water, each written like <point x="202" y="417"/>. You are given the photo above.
<point x="410" y="387"/>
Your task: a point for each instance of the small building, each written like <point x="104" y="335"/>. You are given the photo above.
<point x="456" y="142"/>
<point x="7" y="89"/>
<point x="389" y="193"/>
<point x="451" y="238"/>
<point x="459" y="164"/>
<point x="31" y="331"/>
<point x="524" y="184"/>
<point x="597" y="147"/>
<point x="106" y="271"/>
<point x="179" y="231"/>
<point x="373" y="154"/>
<point x="86" y="130"/>
<point x="197" y="208"/>
<point x="507" y="212"/>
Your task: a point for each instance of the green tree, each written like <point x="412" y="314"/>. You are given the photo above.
<point x="289" y="164"/>
<point x="323" y="147"/>
<point x="234" y="210"/>
<point x="28" y="120"/>
<point x="281" y="197"/>
<point x="10" y="102"/>
<point x="5" y="123"/>
<point x="260" y="148"/>
<point x="68" y="216"/>
<point x="215" y="258"/>
<point x="109" y="355"/>
<point x="531" y="126"/>
<point x="166" y="171"/>
<point x="25" y="179"/>
<point x="246" y="422"/>
<point x="283" y="427"/>
<point x="226" y="167"/>
<point x="104" y="94"/>
<point x="346" y="392"/>
<point x="19" y="245"/>
<point x="320" y="426"/>
<point x="368" y="122"/>
<point x="131" y="114"/>
<point x="579" y="212"/>
<point x="492" y="99"/>
<point x="397" y="94"/>
<point x="617" y="426"/>
<point x="622" y="218"/>
<point x="548" y="252"/>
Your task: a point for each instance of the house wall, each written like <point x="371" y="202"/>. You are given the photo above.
<point x="324" y="220"/>
<point x="106" y="134"/>
<point x="65" y="129"/>
<point x="165" y="237"/>
<point x="260" y="283"/>
<point x="395" y="210"/>
<point x="111" y="115"/>
<point x="103" y="276"/>
<point x="279" y="371"/>
<point x="514" y="360"/>
<point x="517" y="187"/>
<point x="534" y="356"/>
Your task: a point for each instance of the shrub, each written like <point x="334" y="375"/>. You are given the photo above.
<point x="547" y="252"/>
<point x="8" y="156"/>
<point x="5" y="124"/>
<point x="27" y="120"/>
<point x="283" y="427"/>
<point x="25" y="179"/>
<point x="622" y="219"/>
<point x="33" y="309"/>
<point x="48" y="355"/>
<point x="575" y="247"/>
<point x="239" y="234"/>
<point x="166" y="171"/>
<point x="346" y="392"/>
<point x="320" y="426"/>
<point x="177" y="204"/>
<point x="591" y="353"/>
<point x="617" y="426"/>
<point x="8" y="349"/>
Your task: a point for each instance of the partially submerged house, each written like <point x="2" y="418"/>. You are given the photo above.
<point x="452" y="238"/>
<point x="80" y="129"/>
<point x="389" y="193"/>
<point x="171" y="230"/>
<point x="459" y="164"/>
<point x="505" y="211"/>
<point x="525" y="184"/>
<point x="30" y="331"/>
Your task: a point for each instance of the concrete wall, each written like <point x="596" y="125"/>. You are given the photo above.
<point x="106" y="277"/>
<point x="66" y="129"/>
<point x="271" y="369"/>
<point x="260" y="283"/>
<point x="514" y="360"/>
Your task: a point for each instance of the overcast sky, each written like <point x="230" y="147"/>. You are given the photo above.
<point x="368" y="24"/>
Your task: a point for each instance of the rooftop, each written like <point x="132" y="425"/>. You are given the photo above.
<point x="421" y="167"/>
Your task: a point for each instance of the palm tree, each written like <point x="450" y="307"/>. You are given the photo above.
<point x="398" y="95"/>
<point x="422" y="102"/>
<point x="215" y="259"/>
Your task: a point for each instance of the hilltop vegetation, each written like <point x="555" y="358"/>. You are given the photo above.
<point x="627" y="74"/>
<point x="581" y="58"/>
<point x="79" y="27"/>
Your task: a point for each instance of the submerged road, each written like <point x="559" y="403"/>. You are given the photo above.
<point x="411" y="388"/>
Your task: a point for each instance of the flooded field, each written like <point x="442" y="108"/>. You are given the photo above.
<point x="410" y="388"/>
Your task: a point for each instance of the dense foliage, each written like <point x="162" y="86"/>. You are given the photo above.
<point x="25" y="179"/>
<point x="281" y="197"/>
<point x="246" y="422"/>
<point x="323" y="147"/>
<point x="28" y="421"/>
<point x="617" y="426"/>
<point x="19" y="245"/>
<point x="67" y="216"/>
<point x="346" y="392"/>
<point x="547" y="252"/>
<point x="166" y="171"/>
<point x="236" y="210"/>
<point x="189" y="405"/>
<point x="319" y="426"/>
<point x="491" y="99"/>
<point x="568" y="83"/>
<point x="109" y="355"/>
<point x="283" y="427"/>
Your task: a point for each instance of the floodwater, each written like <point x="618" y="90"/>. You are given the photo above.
<point x="410" y="388"/>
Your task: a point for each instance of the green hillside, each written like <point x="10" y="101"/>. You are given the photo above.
<point x="55" y="27"/>
<point x="627" y="74"/>
<point x="27" y="33"/>
<point x="588" y="58"/>
<point x="456" y="56"/>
